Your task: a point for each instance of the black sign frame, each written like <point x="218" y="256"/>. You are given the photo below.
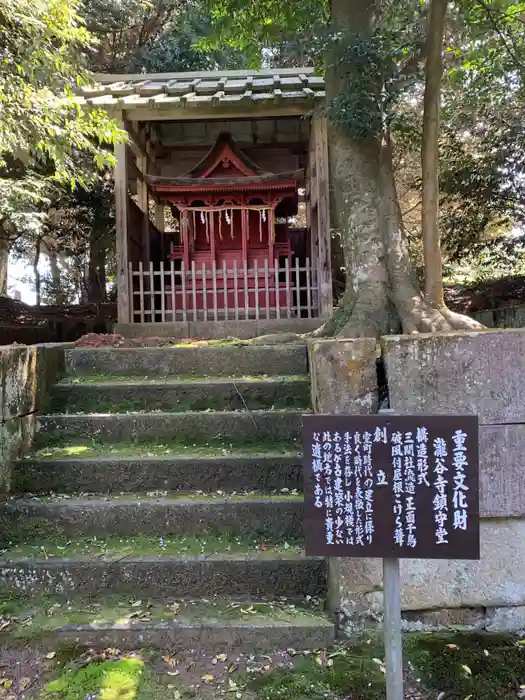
<point x="455" y="462"/>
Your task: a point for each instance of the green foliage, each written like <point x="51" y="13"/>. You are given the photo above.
<point x="42" y="127"/>
<point x="107" y="680"/>
<point x="480" y="666"/>
<point x="124" y="27"/>
<point x="264" y="25"/>
<point x="177" y="47"/>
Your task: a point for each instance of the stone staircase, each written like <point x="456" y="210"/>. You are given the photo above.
<point x="162" y="506"/>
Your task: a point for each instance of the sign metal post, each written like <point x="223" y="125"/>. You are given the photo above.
<point x="392" y="487"/>
<point x="392" y="629"/>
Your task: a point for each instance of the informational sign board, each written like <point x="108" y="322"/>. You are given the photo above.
<point x="391" y="486"/>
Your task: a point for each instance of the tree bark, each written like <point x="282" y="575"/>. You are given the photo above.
<point x="430" y="155"/>
<point x="36" y="271"/>
<point x="96" y="282"/>
<point x="381" y="294"/>
<point x="58" y="293"/>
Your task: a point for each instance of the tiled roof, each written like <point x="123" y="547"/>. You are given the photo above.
<point x="222" y="88"/>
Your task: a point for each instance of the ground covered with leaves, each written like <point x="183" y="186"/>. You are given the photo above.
<point x="448" y="667"/>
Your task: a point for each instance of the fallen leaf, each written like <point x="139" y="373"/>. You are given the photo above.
<point x="207" y="678"/>
<point x="466" y="669"/>
<point x="170" y="660"/>
<point x="221" y="657"/>
<point x="173" y="673"/>
<point x="51" y="655"/>
<point x="136" y="604"/>
<point x="24" y="683"/>
<point x="6" y="683"/>
<point x="451" y="646"/>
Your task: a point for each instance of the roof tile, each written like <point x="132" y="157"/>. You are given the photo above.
<point x="218" y="88"/>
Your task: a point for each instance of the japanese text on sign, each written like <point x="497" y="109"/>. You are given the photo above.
<point x="392" y="486"/>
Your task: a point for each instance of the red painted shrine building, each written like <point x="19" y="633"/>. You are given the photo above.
<point x="221" y="202"/>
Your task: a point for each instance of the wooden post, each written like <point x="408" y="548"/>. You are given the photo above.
<point x="121" y="233"/>
<point x="244" y="233"/>
<point x="143" y="202"/>
<point x="320" y="201"/>
<point x="160" y="222"/>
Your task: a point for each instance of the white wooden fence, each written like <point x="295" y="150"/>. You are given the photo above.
<point x="166" y="292"/>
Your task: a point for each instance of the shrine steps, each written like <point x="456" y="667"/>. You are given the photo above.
<point x="212" y="361"/>
<point x="125" y="472"/>
<point x="181" y="577"/>
<point x="275" y="518"/>
<point x="109" y="621"/>
<point x="173" y="394"/>
<point x="238" y="426"/>
<point x="194" y="505"/>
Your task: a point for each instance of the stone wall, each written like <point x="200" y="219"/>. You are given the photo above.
<point x="26" y="374"/>
<point x="480" y="373"/>
<point x="504" y="317"/>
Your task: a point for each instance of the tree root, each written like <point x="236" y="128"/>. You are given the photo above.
<point x="420" y="317"/>
<point x="417" y="316"/>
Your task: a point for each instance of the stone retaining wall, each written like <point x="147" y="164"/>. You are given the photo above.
<point x="27" y="372"/>
<point x="481" y="373"/>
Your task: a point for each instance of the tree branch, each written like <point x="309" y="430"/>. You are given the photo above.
<point x="504" y="38"/>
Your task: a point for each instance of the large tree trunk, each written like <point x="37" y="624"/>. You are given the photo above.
<point x="36" y="271"/>
<point x="381" y="292"/>
<point x="430" y="155"/>
<point x="96" y="282"/>
<point x="56" y="279"/>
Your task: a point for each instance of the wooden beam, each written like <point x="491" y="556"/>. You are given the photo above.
<point x="208" y="113"/>
<point x="121" y="215"/>
<point x="321" y="197"/>
<point x="267" y="178"/>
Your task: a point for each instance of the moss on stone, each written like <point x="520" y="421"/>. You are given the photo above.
<point x="349" y="671"/>
<point x="47" y="447"/>
<point x="106" y="680"/>
<point x="36" y="542"/>
<point x="480" y="666"/>
<point x="29" y="616"/>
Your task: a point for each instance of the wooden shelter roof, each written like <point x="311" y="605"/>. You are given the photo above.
<point x="229" y="90"/>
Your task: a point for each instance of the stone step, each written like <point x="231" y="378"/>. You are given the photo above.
<point x="110" y="621"/>
<point x="255" y="574"/>
<point x="191" y="361"/>
<point x="124" y="473"/>
<point x="272" y="517"/>
<point x="238" y="426"/>
<point x="179" y="395"/>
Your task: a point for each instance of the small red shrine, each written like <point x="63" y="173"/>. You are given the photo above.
<point x="228" y="209"/>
